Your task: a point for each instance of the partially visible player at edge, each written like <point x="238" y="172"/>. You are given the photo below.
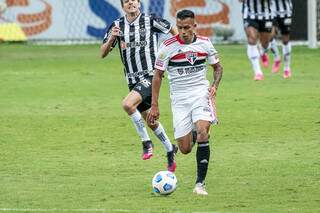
<point x="257" y="19"/>
<point x="136" y="35"/>
<point x="282" y="22"/>
<point x="184" y="57"/>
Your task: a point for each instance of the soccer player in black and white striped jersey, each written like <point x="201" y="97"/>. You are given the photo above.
<point x="282" y="22"/>
<point x="257" y="16"/>
<point x="136" y="36"/>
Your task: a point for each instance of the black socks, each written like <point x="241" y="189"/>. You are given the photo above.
<point x="203" y="157"/>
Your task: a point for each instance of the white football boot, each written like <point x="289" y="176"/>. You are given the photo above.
<point x="199" y="189"/>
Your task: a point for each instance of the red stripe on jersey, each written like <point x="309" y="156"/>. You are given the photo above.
<point x="179" y="56"/>
<point x="202" y="54"/>
<point x="170" y="41"/>
<point x="203" y="38"/>
<point x="183" y="56"/>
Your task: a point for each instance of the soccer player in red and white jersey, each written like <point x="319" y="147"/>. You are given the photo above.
<point x="184" y="56"/>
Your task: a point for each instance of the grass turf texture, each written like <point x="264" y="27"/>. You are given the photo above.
<point x="66" y="144"/>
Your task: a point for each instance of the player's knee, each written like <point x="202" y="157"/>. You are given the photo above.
<point x="252" y="40"/>
<point x="127" y="106"/>
<point x="202" y="135"/>
<point x="184" y="147"/>
<point x="185" y="150"/>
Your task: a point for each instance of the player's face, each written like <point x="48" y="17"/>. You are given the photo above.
<point x="131" y="6"/>
<point x="186" y="28"/>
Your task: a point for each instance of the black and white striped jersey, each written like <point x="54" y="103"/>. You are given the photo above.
<point x="138" y="44"/>
<point x="283" y="8"/>
<point x="257" y="9"/>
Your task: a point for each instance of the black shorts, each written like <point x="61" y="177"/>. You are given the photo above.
<point x="260" y="25"/>
<point x="144" y="88"/>
<point x="283" y="24"/>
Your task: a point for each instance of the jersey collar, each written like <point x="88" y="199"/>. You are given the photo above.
<point x="137" y="18"/>
<point x="182" y="42"/>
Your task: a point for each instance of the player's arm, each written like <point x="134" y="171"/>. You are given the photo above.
<point x="214" y="61"/>
<point x="109" y="41"/>
<point x="154" y="112"/>
<point x="217" y="75"/>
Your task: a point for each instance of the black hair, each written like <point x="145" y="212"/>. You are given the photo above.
<point x="183" y="14"/>
<point x="122" y="2"/>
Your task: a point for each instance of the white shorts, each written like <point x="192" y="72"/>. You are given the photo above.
<point x="187" y="111"/>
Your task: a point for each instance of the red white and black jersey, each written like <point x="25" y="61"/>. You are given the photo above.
<point x="186" y="64"/>
<point x="283" y="8"/>
<point x="257" y="9"/>
<point x="138" y="44"/>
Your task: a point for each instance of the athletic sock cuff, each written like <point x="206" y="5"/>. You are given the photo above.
<point x="203" y="144"/>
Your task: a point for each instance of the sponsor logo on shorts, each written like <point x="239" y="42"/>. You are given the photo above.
<point x="268" y="24"/>
<point x="287" y="21"/>
<point x="206" y="109"/>
<point x="146" y="83"/>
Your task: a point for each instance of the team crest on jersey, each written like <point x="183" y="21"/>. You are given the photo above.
<point x="191" y="57"/>
<point x="142" y="31"/>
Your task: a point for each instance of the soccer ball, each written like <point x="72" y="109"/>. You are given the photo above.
<point x="164" y="183"/>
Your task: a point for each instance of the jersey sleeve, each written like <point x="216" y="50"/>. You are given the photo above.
<point x="213" y="56"/>
<point x="162" y="59"/>
<point x="108" y="35"/>
<point x="160" y="25"/>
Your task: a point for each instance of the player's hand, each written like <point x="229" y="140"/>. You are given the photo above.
<point x="115" y="31"/>
<point x="212" y="92"/>
<point x="153" y="114"/>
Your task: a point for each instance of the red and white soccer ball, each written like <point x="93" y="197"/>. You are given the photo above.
<point x="164" y="183"/>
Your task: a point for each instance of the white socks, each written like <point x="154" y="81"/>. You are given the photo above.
<point x="142" y="131"/>
<point x="140" y="127"/>
<point x="254" y="57"/>
<point x="161" y="134"/>
<point x="274" y="49"/>
<point x="286" y="51"/>
<point x="264" y="50"/>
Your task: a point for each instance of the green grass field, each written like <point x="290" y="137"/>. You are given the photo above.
<point x="67" y="146"/>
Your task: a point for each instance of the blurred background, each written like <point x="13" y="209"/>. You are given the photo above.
<point x="81" y="21"/>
